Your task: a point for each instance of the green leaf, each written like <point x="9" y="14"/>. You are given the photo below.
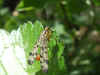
<point x="60" y="49"/>
<point x="61" y="63"/>
<point x="30" y="33"/>
<point x="34" y="3"/>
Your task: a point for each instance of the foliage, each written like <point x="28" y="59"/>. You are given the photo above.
<point x="30" y="34"/>
<point x="75" y="22"/>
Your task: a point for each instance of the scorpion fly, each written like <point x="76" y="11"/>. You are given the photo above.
<point x="42" y="45"/>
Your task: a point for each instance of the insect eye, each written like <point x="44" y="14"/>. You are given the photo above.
<point x="46" y="28"/>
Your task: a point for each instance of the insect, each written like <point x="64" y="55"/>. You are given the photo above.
<point x="42" y="44"/>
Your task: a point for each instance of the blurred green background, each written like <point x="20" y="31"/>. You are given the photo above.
<point x="76" y="22"/>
